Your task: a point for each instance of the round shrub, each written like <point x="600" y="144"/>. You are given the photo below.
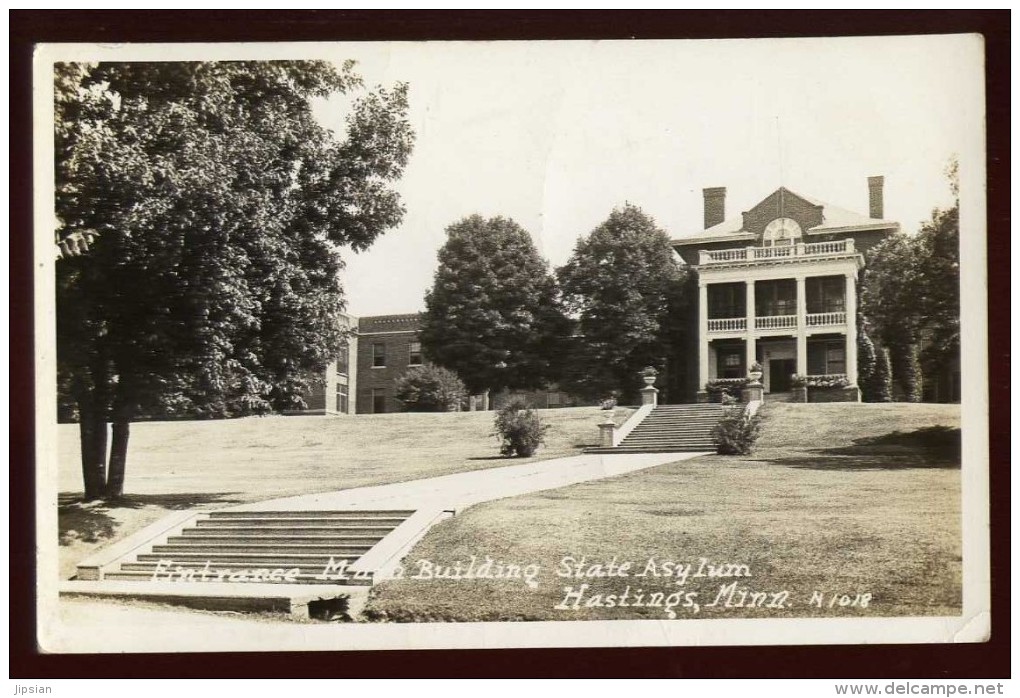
<point x="736" y="432"/>
<point x="520" y="429"/>
<point x="430" y="389"/>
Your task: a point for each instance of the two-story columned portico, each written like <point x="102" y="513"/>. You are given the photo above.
<point x="783" y="307"/>
<point x="778" y="287"/>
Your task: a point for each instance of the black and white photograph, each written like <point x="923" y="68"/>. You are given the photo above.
<point x="474" y="344"/>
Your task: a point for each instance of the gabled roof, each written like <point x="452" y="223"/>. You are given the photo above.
<point x="834" y="219"/>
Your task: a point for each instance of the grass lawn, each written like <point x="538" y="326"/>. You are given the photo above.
<point x="837" y="499"/>
<point x="182" y="465"/>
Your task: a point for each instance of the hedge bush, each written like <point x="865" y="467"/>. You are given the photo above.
<point x="520" y="429"/>
<point x="430" y="389"/>
<point x="736" y="432"/>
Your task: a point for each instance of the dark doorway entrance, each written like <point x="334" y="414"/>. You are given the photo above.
<point x="780" y="371"/>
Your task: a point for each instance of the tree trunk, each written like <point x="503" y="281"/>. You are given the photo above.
<point x="92" y="431"/>
<point x="118" y="458"/>
<point x="92" y="408"/>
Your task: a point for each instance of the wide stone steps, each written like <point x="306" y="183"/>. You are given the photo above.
<point x="221" y="573"/>
<point x="648" y="449"/>
<point x="696" y="445"/>
<point x="672" y="428"/>
<point x="697" y="433"/>
<point x="259" y="540"/>
<point x="356" y="514"/>
<point x="680" y="419"/>
<point x="664" y="442"/>
<point x="256" y="531"/>
<point x="245" y="543"/>
<point x="241" y="559"/>
<point x="696" y="428"/>
<point x="239" y="522"/>
<point x="226" y="548"/>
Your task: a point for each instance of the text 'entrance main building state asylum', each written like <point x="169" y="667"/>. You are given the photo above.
<point x="777" y="285"/>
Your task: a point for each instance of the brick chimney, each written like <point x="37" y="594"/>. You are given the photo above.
<point x="715" y="205"/>
<point x="875" y="203"/>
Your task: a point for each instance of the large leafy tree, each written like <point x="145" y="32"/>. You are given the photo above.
<point x="888" y="297"/>
<point x="912" y="297"/>
<point x="938" y="303"/>
<point x="217" y="206"/>
<point x="626" y="288"/>
<point x="493" y="314"/>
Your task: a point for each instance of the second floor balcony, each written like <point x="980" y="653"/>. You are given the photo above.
<point x="776" y="322"/>
<point x="777" y="253"/>
<point x="775" y="305"/>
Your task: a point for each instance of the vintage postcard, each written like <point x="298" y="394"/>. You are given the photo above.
<point x="414" y="345"/>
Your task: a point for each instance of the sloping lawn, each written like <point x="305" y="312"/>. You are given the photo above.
<point x="181" y="465"/>
<point x="837" y="499"/>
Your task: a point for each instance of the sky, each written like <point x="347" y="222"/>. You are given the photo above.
<point x="556" y="134"/>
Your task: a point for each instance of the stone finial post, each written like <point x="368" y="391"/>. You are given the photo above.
<point x="649" y="393"/>
<point x="607" y="431"/>
<point x="753" y="391"/>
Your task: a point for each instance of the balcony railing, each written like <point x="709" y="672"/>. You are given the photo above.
<point x="822" y="319"/>
<point x="730" y="324"/>
<point x="778" y="252"/>
<point x="775" y="322"/>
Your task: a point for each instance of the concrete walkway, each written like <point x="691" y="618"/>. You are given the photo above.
<point x="461" y="490"/>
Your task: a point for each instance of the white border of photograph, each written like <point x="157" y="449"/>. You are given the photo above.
<point x="972" y="626"/>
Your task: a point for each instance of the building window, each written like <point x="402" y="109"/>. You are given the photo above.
<point x="835" y="359"/>
<point x="378" y="355"/>
<point x="343" y="361"/>
<point x="731" y="364"/>
<point x="773" y="298"/>
<point x="415" y="357"/>
<point x="826" y="357"/>
<point x="378" y="400"/>
<point x="826" y="294"/>
<point x="342" y="400"/>
<point x="726" y="300"/>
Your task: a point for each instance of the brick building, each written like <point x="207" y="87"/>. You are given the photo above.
<point x="381" y="349"/>
<point x="333" y="395"/>
<point x="778" y="286"/>
<point x="388" y="347"/>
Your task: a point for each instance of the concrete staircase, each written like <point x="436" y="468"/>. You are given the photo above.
<point x="233" y="546"/>
<point x="670" y="428"/>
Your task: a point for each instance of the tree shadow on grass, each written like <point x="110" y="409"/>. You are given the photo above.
<point x="93" y="522"/>
<point x="934" y="448"/>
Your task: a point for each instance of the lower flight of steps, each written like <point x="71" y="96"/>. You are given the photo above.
<point x="670" y="428"/>
<point x="270" y="545"/>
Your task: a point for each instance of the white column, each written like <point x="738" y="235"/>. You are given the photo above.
<point x="702" y="335"/>
<point x="851" y="327"/>
<point x="749" y="345"/>
<point x="801" y="328"/>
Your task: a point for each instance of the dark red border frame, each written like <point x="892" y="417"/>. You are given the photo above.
<point x="988" y="660"/>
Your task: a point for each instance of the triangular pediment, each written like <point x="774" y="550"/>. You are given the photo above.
<point x="782" y="203"/>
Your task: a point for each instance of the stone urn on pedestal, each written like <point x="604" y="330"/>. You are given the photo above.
<point x="649" y="393"/>
<point x="754" y="391"/>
